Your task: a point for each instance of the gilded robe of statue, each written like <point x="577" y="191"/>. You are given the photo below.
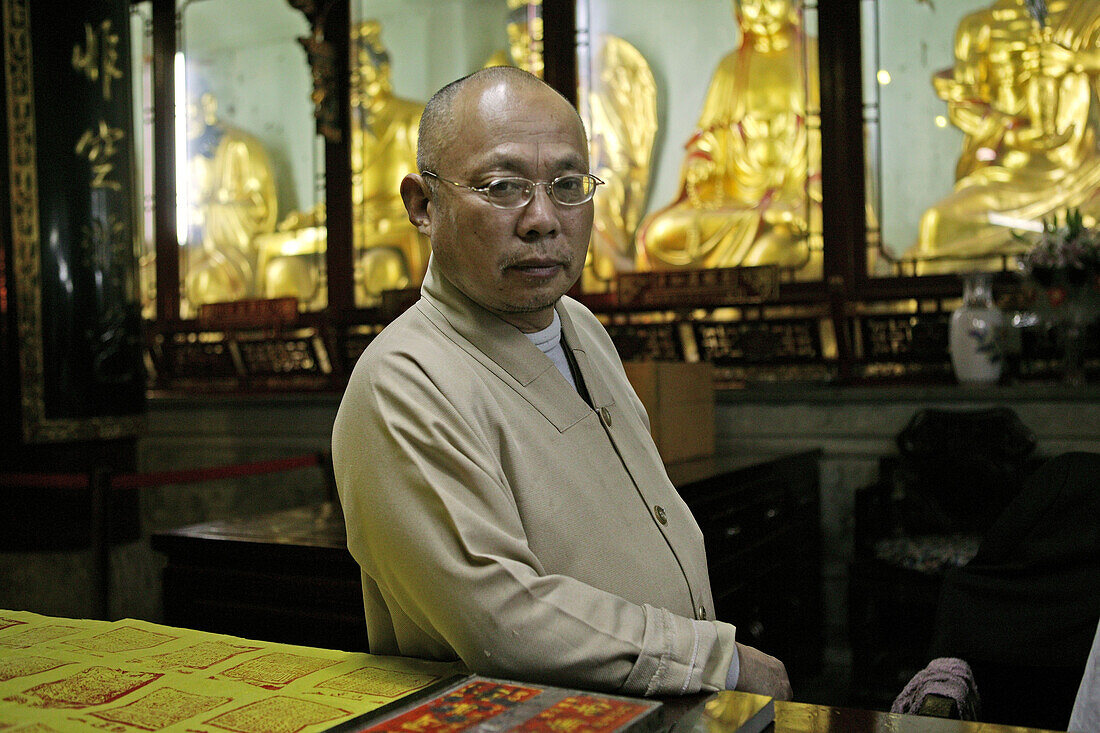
<point x="390" y="254"/>
<point x="524" y="30"/>
<point x="750" y="188"/>
<point x="1026" y="97"/>
<point x="233" y="202"/>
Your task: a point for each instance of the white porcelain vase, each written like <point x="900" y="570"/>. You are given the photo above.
<point x="975" y="333"/>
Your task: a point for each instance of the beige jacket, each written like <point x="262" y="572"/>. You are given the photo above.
<point x="500" y="519"/>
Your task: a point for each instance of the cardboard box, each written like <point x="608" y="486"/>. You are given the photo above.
<point x="679" y="397"/>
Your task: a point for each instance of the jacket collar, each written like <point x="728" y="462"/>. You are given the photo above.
<point x="503" y="348"/>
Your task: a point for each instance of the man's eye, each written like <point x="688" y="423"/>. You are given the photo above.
<point x="569" y="184"/>
<point x="506" y="187"/>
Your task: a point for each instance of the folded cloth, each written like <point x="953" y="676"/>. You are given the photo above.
<point x="946" y="676"/>
<point x="1086" y="708"/>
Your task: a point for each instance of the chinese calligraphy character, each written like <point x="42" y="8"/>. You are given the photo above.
<point x="98" y="148"/>
<point x="99" y="57"/>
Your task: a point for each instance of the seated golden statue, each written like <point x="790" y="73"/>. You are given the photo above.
<point x="390" y="253"/>
<point x="750" y="188"/>
<point x="1025" y="94"/>
<point x="524" y="29"/>
<point x="232" y="201"/>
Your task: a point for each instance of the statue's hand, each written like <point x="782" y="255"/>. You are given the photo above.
<point x="699" y="171"/>
<point x="1036" y="141"/>
<point x="1055" y="60"/>
<point x="783" y="211"/>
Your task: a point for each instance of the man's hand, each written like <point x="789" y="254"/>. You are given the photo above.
<point x="762" y="674"/>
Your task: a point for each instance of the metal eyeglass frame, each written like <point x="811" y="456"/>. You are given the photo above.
<point x="529" y="185"/>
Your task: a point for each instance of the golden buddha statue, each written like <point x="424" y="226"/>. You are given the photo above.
<point x="390" y="254"/>
<point x="622" y="117"/>
<point x="750" y="186"/>
<point x="1025" y="95"/>
<point x="232" y="202"/>
<point x="524" y="29"/>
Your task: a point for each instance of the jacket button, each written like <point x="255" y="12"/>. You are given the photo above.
<point x="605" y="415"/>
<point x="702" y="613"/>
<point x="659" y="512"/>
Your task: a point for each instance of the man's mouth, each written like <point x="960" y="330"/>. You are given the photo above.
<point x="537" y="268"/>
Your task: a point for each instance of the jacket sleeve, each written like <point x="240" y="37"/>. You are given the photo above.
<point x="433" y="522"/>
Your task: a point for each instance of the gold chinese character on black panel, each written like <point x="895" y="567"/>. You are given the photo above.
<point x="100" y="147"/>
<point x="98" y="57"/>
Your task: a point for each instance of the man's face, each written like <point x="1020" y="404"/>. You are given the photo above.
<point x="514" y="262"/>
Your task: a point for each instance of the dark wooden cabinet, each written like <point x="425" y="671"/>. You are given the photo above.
<point x="285" y="577"/>
<point x="288" y="577"/>
<point x="761" y="522"/>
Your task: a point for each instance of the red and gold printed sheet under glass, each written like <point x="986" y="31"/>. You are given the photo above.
<point x="480" y="703"/>
<point x="130" y="676"/>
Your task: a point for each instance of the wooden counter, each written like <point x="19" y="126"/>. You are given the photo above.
<point x="85" y="675"/>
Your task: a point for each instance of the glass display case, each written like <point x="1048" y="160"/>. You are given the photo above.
<point x="249" y="173"/>
<point x="977" y="137"/>
<point x="705" y="122"/>
<point x="794" y="188"/>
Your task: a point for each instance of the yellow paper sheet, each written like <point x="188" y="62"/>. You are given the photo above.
<point x="130" y="676"/>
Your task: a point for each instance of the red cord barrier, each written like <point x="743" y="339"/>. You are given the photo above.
<point x="46" y="480"/>
<point x="159" y="478"/>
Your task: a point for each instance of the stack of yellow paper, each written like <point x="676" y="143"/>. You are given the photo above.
<point x="130" y="676"/>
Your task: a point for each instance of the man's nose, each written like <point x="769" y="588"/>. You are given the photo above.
<point x="539" y="218"/>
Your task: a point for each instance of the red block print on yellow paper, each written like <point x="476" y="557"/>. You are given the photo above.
<point x="377" y="681"/>
<point x="122" y="639"/>
<point x="27" y="638"/>
<point x="7" y="623"/>
<point x="279" y="714"/>
<point x="203" y="655"/>
<point x="12" y="667"/>
<point x="90" y="686"/>
<point x="276" y="670"/>
<point x="161" y="708"/>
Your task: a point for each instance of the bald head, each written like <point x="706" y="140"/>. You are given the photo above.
<point x="439" y="124"/>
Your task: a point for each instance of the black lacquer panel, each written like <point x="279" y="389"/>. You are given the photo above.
<point x="71" y="212"/>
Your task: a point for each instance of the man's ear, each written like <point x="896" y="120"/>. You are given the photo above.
<point x="414" y="192"/>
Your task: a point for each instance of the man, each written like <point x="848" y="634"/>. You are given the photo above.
<point x="502" y="493"/>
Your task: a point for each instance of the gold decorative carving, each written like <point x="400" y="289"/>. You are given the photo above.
<point x="718" y="286"/>
<point x="322" y="62"/>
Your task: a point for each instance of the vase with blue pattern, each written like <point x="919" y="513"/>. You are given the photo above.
<point x="975" y="333"/>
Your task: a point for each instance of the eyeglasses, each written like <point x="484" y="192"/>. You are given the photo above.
<point x="572" y="189"/>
